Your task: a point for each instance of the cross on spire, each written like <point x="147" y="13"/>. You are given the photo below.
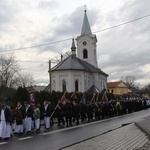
<point x="85" y="8"/>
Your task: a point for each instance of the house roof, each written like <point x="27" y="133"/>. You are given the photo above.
<point x="74" y="63"/>
<point x="114" y="84"/>
<point x="47" y="88"/>
<point x="36" y="88"/>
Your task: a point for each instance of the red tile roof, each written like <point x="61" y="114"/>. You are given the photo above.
<point x="113" y="84"/>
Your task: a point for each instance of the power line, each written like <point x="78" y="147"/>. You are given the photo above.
<point x="32" y="61"/>
<point x="23" y="48"/>
<point x="52" y="61"/>
<point x="32" y="67"/>
<point x="41" y="73"/>
<point x="41" y="45"/>
<point x="121" y="24"/>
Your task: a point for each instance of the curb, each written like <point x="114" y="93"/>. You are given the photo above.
<point x="143" y="129"/>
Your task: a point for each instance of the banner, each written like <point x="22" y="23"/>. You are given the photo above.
<point x="73" y="96"/>
<point x="93" y="98"/>
<point x="83" y="99"/>
<point x="31" y="98"/>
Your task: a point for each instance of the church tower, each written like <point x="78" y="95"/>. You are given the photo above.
<point x="86" y="43"/>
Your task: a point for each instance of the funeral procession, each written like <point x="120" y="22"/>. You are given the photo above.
<point x="54" y="95"/>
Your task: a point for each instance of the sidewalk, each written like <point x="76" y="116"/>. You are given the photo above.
<point x="134" y="136"/>
<point x="144" y="125"/>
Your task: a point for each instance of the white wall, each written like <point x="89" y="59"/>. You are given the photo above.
<point x="90" y="46"/>
<point x="86" y="80"/>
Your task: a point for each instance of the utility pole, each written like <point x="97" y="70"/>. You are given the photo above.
<point x="50" y="71"/>
<point x="50" y="77"/>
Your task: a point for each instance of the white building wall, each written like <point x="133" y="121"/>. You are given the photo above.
<point x="70" y="81"/>
<point x="91" y="48"/>
<point x="102" y="82"/>
<point x="96" y="80"/>
<point x="85" y="80"/>
<point x="70" y="77"/>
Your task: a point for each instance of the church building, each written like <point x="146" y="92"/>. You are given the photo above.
<point x="79" y="71"/>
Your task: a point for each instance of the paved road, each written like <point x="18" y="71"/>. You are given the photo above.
<point x="57" y="139"/>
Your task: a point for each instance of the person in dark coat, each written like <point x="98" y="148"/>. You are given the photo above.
<point x="76" y="112"/>
<point x="110" y="109"/>
<point x="144" y="104"/>
<point x="89" y="111"/>
<point x="103" y="109"/>
<point x="5" y="122"/>
<point x="68" y="112"/>
<point x="97" y="110"/>
<point x="82" y="111"/>
<point x="28" y="117"/>
<point x="19" y="114"/>
<point x="51" y="111"/>
<point x="60" y="113"/>
<point x="47" y="113"/>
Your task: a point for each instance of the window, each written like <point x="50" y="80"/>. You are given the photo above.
<point x="63" y="85"/>
<point x="85" y="53"/>
<point x="76" y="86"/>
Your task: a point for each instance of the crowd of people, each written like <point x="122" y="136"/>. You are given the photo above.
<point x="25" y="117"/>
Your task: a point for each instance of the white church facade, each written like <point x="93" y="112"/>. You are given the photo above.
<point x="79" y="71"/>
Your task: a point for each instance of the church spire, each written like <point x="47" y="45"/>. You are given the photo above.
<point x="73" y="47"/>
<point x="86" y="29"/>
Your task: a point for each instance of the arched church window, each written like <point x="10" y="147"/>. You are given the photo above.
<point x="76" y="86"/>
<point x="85" y="53"/>
<point x="63" y="85"/>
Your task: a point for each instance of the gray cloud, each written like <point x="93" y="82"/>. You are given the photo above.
<point x="68" y="26"/>
<point x="127" y="47"/>
<point x="9" y="11"/>
<point x="48" y="5"/>
<point x="121" y="51"/>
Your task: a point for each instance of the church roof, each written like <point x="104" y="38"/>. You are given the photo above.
<point x="86" y="29"/>
<point x="93" y="89"/>
<point x="74" y="63"/>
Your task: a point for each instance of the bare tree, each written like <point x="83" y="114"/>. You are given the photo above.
<point x="129" y="80"/>
<point x="10" y="73"/>
<point x="9" y="70"/>
<point x="11" y="77"/>
<point x="25" y="80"/>
<point x="146" y="89"/>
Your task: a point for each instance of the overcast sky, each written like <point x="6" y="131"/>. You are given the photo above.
<point x="122" y="51"/>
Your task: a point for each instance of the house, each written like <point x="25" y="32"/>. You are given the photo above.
<point x="36" y="88"/>
<point x="117" y="88"/>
